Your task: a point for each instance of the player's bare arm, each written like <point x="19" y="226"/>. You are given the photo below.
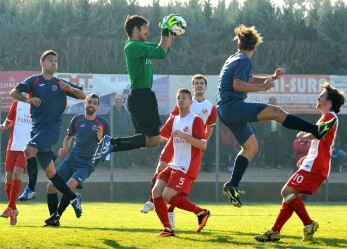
<point x="242" y="86"/>
<point x="66" y="146"/>
<point x="67" y="87"/>
<point x="18" y="96"/>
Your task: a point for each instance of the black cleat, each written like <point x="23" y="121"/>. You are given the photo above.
<point x="233" y="194"/>
<point x="53" y="221"/>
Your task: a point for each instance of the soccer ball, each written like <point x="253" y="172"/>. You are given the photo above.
<point x="179" y="28"/>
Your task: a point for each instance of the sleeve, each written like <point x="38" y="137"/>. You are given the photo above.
<point x="243" y="69"/>
<point x="12" y="113"/>
<point x="211" y="120"/>
<point x="144" y="49"/>
<point x="174" y="111"/>
<point x="71" y="131"/>
<point x="27" y="85"/>
<point x="199" y="129"/>
<point x="166" y="130"/>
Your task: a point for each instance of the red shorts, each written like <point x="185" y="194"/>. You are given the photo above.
<point x="166" y="154"/>
<point x="177" y="180"/>
<point x="14" y="158"/>
<point x="306" y="182"/>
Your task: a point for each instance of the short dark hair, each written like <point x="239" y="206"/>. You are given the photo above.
<point x="185" y="90"/>
<point x="134" y="21"/>
<point x="48" y="53"/>
<point x="199" y="76"/>
<point x="336" y="96"/>
<point x="93" y="96"/>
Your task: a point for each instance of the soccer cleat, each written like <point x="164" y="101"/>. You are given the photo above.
<point x="202" y="219"/>
<point x="76" y="204"/>
<point x="149" y="206"/>
<point x="53" y="221"/>
<point x="269" y="235"/>
<point x="7" y="213"/>
<point x="104" y="148"/>
<point x="233" y="194"/>
<point x="172" y="219"/>
<point x="309" y="231"/>
<point x="14" y="215"/>
<point x="27" y="195"/>
<point x="166" y="233"/>
<point x="325" y="127"/>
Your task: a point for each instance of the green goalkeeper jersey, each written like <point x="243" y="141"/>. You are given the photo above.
<point x="138" y="55"/>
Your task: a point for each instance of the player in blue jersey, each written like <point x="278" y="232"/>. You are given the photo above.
<point x="235" y="80"/>
<point x="47" y="97"/>
<point x="87" y="129"/>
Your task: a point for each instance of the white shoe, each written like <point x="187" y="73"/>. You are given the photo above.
<point x="149" y="206"/>
<point x="172" y="219"/>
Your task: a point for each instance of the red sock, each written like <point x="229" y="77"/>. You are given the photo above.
<point x="161" y="210"/>
<point x="171" y="209"/>
<point x="298" y="207"/>
<point x="16" y="185"/>
<point x="8" y="187"/>
<point x="154" y="179"/>
<point x="185" y="204"/>
<point x="283" y="216"/>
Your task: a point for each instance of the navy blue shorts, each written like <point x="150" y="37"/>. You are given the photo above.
<point x="238" y="115"/>
<point x="143" y="107"/>
<point x="77" y="170"/>
<point x="43" y="140"/>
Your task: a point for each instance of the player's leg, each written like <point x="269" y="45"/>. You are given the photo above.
<point x="272" y="112"/>
<point x="248" y="150"/>
<point x="160" y="204"/>
<point x="46" y="162"/>
<point x="32" y="171"/>
<point x="165" y="156"/>
<point x="175" y="192"/>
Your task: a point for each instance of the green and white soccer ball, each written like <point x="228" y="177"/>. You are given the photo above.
<point x="179" y="28"/>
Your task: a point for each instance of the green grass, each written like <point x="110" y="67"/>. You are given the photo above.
<point x="121" y="225"/>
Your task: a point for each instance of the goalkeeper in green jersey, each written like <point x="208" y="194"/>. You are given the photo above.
<point x="142" y="102"/>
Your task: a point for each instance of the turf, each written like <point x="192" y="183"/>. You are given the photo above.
<point x="121" y="225"/>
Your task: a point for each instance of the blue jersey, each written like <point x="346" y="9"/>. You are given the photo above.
<point x="86" y="138"/>
<point x="236" y="66"/>
<point x="53" y="100"/>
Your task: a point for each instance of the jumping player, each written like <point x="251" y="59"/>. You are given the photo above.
<point x="47" y="97"/>
<point x="142" y="102"/>
<point x="235" y="80"/>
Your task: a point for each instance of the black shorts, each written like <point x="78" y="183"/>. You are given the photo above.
<point x="143" y="107"/>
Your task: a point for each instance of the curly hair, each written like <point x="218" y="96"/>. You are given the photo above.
<point x="248" y="37"/>
<point x="336" y="96"/>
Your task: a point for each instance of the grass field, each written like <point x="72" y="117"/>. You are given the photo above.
<point x="121" y="225"/>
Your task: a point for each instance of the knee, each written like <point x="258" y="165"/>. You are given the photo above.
<point x="167" y="197"/>
<point x="29" y="152"/>
<point x="50" y="188"/>
<point x="155" y="192"/>
<point x="8" y="177"/>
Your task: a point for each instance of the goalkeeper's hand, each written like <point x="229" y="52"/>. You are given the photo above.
<point x="168" y="22"/>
